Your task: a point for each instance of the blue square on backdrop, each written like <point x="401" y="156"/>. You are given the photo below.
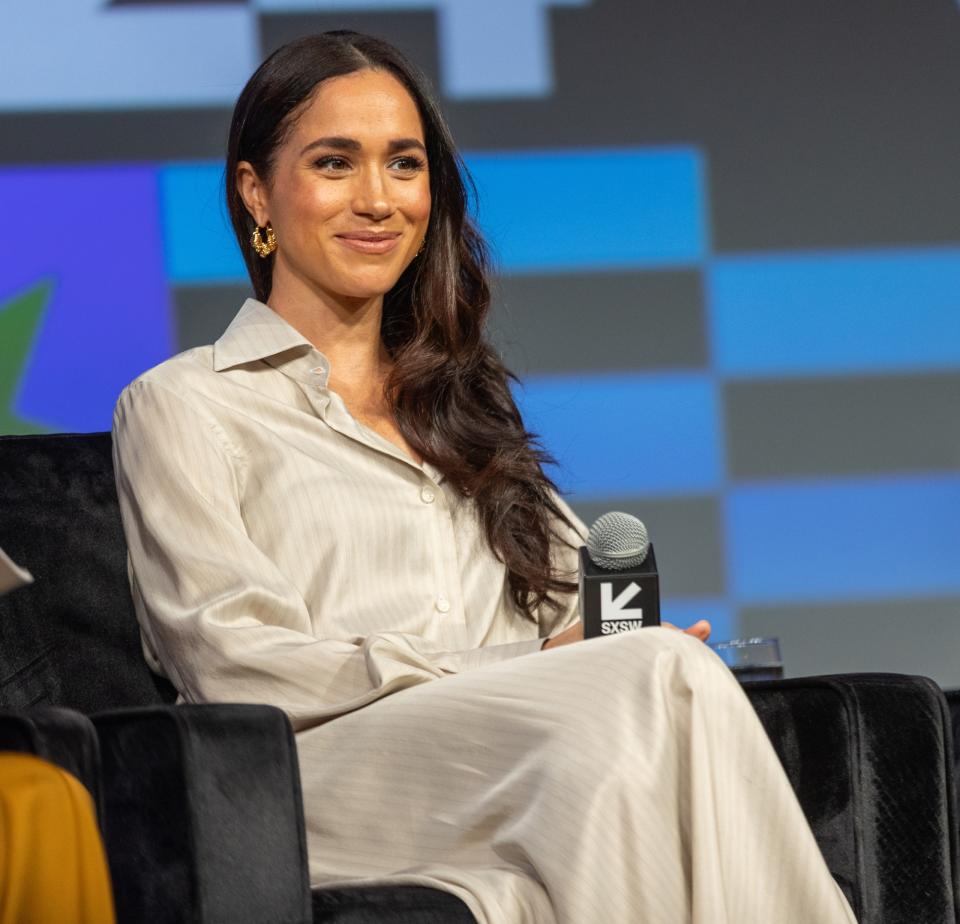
<point x="628" y="434"/>
<point x="93" y="234"/>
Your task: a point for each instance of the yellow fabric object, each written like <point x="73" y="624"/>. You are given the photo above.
<point x="52" y="864"/>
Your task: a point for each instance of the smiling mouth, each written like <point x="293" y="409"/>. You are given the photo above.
<point x="370" y="242"/>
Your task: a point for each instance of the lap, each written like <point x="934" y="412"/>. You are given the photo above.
<point x="599" y="699"/>
<point x="587" y="779"/>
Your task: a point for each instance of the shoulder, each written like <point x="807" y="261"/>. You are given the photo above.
<point x="173" y="399"/>
<point x="182" y="374"/>
<point x="187" y="379"/>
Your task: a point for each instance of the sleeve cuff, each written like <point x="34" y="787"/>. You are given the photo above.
<point x="492" y="654"/>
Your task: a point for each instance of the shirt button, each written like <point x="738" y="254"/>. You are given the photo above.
<point x="427" y="495"/>
<point x="443" y="604"/>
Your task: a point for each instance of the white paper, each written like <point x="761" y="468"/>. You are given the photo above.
<point x="12" y="575"/>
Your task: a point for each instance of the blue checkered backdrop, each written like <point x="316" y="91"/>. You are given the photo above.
<point x="729" y="237"/>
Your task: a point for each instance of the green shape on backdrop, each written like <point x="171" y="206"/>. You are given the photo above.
<point x="20" y="321"/>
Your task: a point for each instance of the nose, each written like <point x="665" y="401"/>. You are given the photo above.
<point x="371" y="196"/>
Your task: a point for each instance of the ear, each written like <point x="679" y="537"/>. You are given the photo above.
<point x="253" y="191"/>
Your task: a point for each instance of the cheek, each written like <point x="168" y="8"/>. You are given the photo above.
<point x="417" y="203"/>
<point x="308" y="205"/>
<point x="425" y="210"/>
<point x="321" y="203"/>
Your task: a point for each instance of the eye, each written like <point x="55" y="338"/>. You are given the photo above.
<point x="332" y="162"/>
<point x="410" y="164"/>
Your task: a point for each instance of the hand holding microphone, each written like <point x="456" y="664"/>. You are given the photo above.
<point x="619" y="583"/>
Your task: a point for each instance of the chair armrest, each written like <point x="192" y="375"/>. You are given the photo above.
<point x="869" y="756"/>
<point x="204" y="815"/>
<point x="61" y="736"/>
<point x="953" y="705"/>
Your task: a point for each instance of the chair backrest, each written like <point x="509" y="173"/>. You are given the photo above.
<point x="71" y="638"/>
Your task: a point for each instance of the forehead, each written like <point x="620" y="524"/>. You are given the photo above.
<point x="367" y="105"/>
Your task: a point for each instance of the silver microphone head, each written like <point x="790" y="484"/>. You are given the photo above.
<point x="617" y="541"/>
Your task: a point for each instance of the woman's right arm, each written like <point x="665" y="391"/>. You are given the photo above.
<point x="225" y="624"/>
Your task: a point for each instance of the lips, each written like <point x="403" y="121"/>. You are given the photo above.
<point x="375" y="242"/>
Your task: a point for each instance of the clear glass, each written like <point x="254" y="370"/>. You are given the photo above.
<point x="751" y="658"/>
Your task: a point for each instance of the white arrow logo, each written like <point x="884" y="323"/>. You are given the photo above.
<point x="613" y="607"/>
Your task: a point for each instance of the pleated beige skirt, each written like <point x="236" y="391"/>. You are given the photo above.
<point x="622" y="779"/>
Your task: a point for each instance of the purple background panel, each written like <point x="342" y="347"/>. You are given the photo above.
<point x="95" y="232"/>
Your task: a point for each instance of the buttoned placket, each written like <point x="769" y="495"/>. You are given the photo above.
<point x="329" y="406"/>
<point x="298" y="360"/>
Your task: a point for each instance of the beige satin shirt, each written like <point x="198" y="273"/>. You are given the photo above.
<point x="282" y="552"/>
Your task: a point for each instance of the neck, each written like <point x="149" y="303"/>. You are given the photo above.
<point x="345" y="329"/>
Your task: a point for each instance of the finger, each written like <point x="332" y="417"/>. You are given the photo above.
<point x="700" y="629"/>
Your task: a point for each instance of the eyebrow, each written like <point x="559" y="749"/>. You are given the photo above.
<point x="339" y="143"/>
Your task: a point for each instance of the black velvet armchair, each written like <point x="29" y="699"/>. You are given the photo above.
<point x="201" y="807"/>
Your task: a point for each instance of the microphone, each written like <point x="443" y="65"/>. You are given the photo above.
<point x="619" y="584"/>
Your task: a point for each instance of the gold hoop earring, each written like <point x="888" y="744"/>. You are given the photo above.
<point x="264" y="247"/>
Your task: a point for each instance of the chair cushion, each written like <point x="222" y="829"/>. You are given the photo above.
<point x="70" y="639"/>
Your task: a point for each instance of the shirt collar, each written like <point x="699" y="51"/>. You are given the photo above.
<point x="259" y="333"/>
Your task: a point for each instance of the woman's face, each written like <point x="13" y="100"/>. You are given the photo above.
<point x="349" y="199"/>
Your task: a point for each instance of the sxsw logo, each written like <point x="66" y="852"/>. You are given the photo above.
<point x="616" y="614"/>
<point x="108" y="53"/>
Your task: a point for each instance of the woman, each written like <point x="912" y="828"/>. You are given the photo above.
<point x="336" y="509"/>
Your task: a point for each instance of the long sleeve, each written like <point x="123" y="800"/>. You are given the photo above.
<point x="221" y="618"/>
<point x="568" y="537"/>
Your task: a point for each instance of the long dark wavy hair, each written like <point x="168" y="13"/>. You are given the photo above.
<point x="448" y="388"/>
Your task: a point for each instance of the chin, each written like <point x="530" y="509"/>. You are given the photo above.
<point x="366" y="285"/>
